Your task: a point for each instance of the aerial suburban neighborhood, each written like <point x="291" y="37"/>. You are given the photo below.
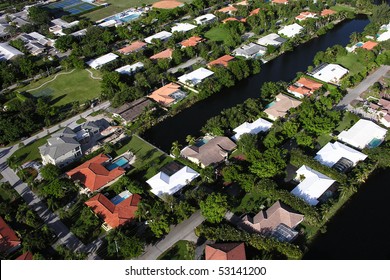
<point x="194" y="129"/>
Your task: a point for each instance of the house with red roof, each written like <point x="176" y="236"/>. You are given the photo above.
<point x="133" y="47"/>
<point x="254" y="12"/>
<point x="225" y="251"/>
<point x="285" y="2"/>
<point x="369" y="45"/>
<point x="305" y="15"/>
<point x="223" y="61"/>
<point x="166" y="54"/>
<point x="9" y="241"/>
<point x="168" y="94"/>
<point x="96" y="173"/>
<point x="228" y="10"/>
<point x="327" y="12"/>
<point x="304" y="87"/>
<point x="28" y="256"/>
<point x="191" y="42"/>
<point x="117" y="211"/>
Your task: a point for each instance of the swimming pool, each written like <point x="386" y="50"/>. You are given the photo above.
<point x="120" y="197"/>
<point x="201" y="142"/>
<point x="125" y="17"/>
<point x="120" y="162"/>
<point x="359" y="44"/>
<point x="374" y="143"/>
<point x="270" y="105"/>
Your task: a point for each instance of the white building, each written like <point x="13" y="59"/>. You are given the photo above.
<point x="384" y="36"/>
<point x="331" y="153"/>
<point x="329" y="73"/>
<point x="363" y="134"/>
<point x="57" y="26"/>
<point x="291" y="30"/>
<point x="195" y="77"/>
<point x="312" y="184"/>
<point x="163" y="35"/>
<point x="130" y="69"/>
<point x="272" y="39"/>
<point x="100" y="61"/>
<point x="171" y="179"/>
<point x="250" y="50"/>
<point x="259" y="125"/>
<point x="8" y="52"/>
<point x="205" y="19"/>
<point x="182" y="27"/>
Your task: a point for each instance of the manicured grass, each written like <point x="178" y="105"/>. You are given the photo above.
<point x="66" y="88"/>
<point x="29" y="152"/>
<point x="348" y="120"/>
<point x="81" y="120"/>
<point x="217" y="34"/>
<point x="351" y="62"/>
<point x="324" y="139"/>
<point x="343" y="8"/>
<point x="117" y="6"/>
<point x="182" y="250"/>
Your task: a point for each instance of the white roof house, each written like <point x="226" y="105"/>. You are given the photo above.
<point x="329" y="73"/>
<point x="182" y="27"/>
<point x="259" y="125"/>
<point x="272" y="39"/>
<point x="130" y="69"/>
<point x="207" y="18"/>
<point x="291" y="30"/>
<point x="8" y="52"/>
<point x="250" y="50"/>
<point x="331" y="153"/>
<point x="100" y="61"/>
<point x="363" y="134"/>
<point x="195" y="77"/>
<point x="169" y="183"/>
<point x="163" y="35"/>
<point x="312" y="185"/>
<point x="384" y="36"/>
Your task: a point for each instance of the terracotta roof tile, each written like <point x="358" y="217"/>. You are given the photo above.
<point x="164" y="54"/>
<point x="28" y="256"/>
<point x="162" y="95"/>
<point x="227" y="9"/>
<point x="225" y="251"/>
<point x="8" y="238"/>
<point x="191" y="42"/>
<point x="223" y="60"/>
<point x="133" y="47"/>
<point x="327" y="12"/>
<point x="369" y="45"/>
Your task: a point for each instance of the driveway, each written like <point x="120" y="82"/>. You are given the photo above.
<point x="183" y="231"/>
<point x="363" y="86"/>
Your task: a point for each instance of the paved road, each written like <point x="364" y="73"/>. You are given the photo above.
<point x="183" y="231"/>
<point x="363" y="86"/>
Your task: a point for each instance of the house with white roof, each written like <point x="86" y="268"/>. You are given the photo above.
<point x="205" y="19"/>
<point x="363" y="134"/>
<point x="272" y="39"/>
<point x="291" y="30"/>
<point x="182" y="27"/>
<point x="8" y="52"/>
<point x="171" y="179"/>
<point x="250" y="50"/>
<point x="130" y="69"/>
<point x="57" y="26"/>
<point x="100" y="61"/>
<point x="329" y="73"/>
<point x="195" y="77"/>
<point x="259" y="125"/>
<point x="384" y="36"/>
<point x="162" y="36"/>
<point x="338" y="153"/>
<point x="312" y="186"/>
<point x="35" y="42"/>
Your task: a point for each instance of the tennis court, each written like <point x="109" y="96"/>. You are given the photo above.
<point x="72" y="7"/>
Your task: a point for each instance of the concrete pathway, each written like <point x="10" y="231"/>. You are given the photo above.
<point x="183" y="231"/>
<point x="55" y="77"/>
<point x="363" y="86"/>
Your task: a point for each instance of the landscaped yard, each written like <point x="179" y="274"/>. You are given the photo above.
<point x="117" y="6"/>
<point x="324" y="139"/>
<point x="348" y="120"/>
<point x="342" y="8"/>
<point x="29" y="152"/>
<point x="66" y="88"/>
<point x="182" y="250"/>
<point x="352" y="63"/>
<point x="217" y="34"/>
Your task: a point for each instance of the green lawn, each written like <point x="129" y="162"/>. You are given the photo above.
<point x="29" y="152"/>
<point x="66" y="88"/>
<point x="351" y="62"/>
<point x="324" y="139"/>
<point x="342" y="8"/>
<point x="348" y="120"/>
<point x="81" y="120"/>
<point x="182" y="250"/>
<point x="217" y="34"/>
<point x="117" y="6"/>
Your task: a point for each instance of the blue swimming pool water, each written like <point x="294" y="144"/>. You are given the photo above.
<point x="359" y="44"/>
<point x="270" y="105"/>
<point x="201" y="142"/>
<point x="129" y="17"/>
<point x="374" y="143"/>
<point x="118" y="163"/>
<point x="118" y="199"/>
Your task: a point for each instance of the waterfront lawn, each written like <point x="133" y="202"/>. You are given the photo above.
<point x="117" y="6"/>
<point x="67" y="88"/>
<point x="351" y="62"/>
<point x="343" y="8"/>
<point x="29" y="152"/>
<point x="217" y="34"/>
<point x="182" y="250"/>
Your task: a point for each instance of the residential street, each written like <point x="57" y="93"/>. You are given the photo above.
<point x="363" y="86"/>
<point x="183" y="231"/>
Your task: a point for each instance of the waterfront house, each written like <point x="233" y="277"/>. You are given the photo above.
<point x="223" y="61"/>
<point x="329" y="73"/>
<point x="304" y="87"/>
<point x="128" y="112"/>
<point x="272" y="39"/>
<point x="259" y="125"/>
<point x="168" y="94"/>
<point x="305" y="15"/>
<point x="327" y="12"/>
<point x="250" y="51"/>
<point x="281" y="105"/>
<point x="290" y="30"/>
<point x="195" y="77"/>
<point x="225" y="251"/>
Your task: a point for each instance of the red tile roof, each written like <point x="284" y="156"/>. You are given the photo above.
<point x="369" y="45"/>
<point x="8" y="238"/>
<point x="28" y="256"/>
<point x="223" y="60"/>
<point x="304" y="86"/>
<point x="93" y="175"/>
<point x="280" y="1"/>
<point x="164" y="54"/>
<point x="167" y="4"/>
<point x="227" y="9"/>
<point x="191" y="42"/>
<point x="225" y="251"/>
<point x="133" y="47"/>
<point x="254" y="12"/>
<point x="162" y="95"/>
<point x="114" y="215"/>
<point x="327" y="12"/>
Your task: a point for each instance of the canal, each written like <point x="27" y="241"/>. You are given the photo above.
<point x="284" y="67"/>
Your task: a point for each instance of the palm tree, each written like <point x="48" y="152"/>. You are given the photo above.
<point x="142" y="211"/>
<point x="190" y="140"/>
<point x="354" y="37"/>
<point x="175" y="150"/>
<point x="12" y="162"/>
